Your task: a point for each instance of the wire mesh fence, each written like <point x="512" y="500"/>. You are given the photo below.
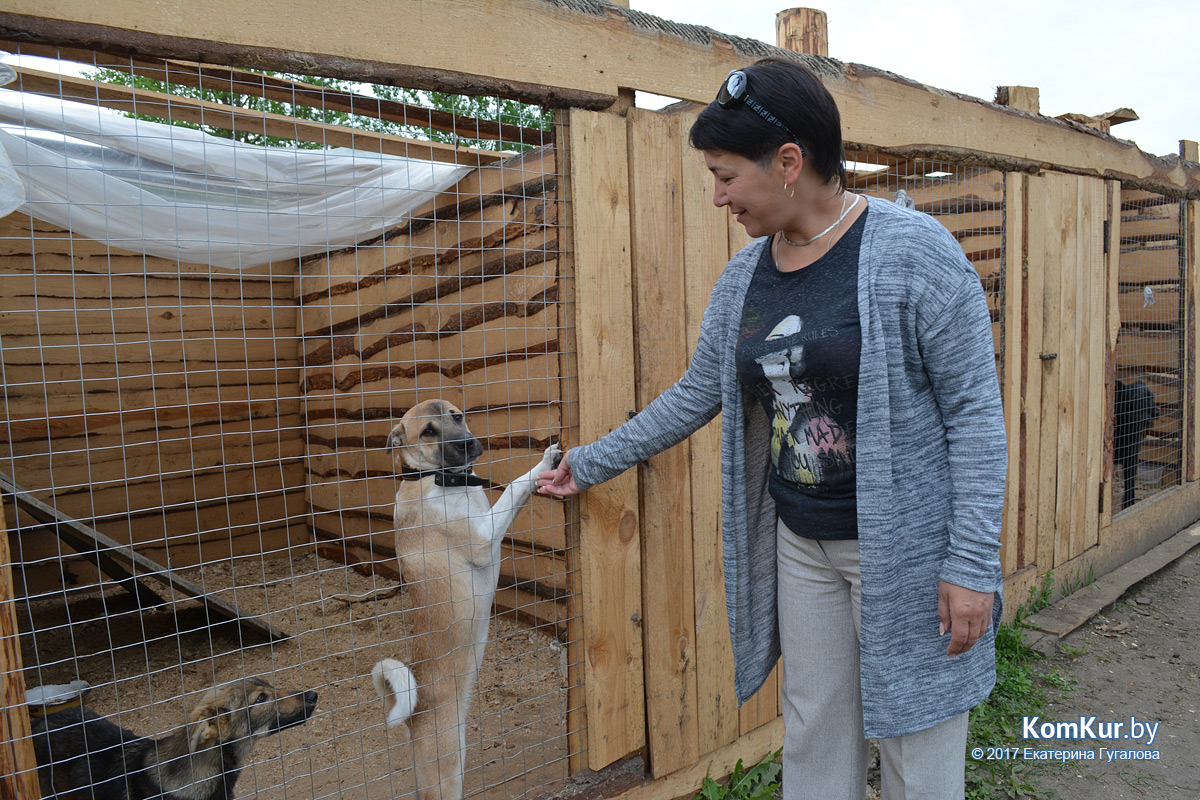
<point x="969" y="201"/>
<point x="207" y="336"/>
<point x="1148" y="391"/>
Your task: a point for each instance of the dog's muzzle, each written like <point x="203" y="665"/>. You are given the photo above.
<point x="461" y="452"/>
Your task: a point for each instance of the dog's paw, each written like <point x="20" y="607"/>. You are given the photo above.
<point x="551" y="457"/>
<point x="395" y="683"/>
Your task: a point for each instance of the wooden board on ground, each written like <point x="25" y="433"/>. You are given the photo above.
<point x="1073" y="611"/>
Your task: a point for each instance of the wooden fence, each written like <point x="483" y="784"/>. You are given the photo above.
<point x="1068" y="207"/>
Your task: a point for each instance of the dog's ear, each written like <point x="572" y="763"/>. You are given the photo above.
<point x="208" y="723"/>
<point x="395" y="444"/>
<point x="395" y="439"/>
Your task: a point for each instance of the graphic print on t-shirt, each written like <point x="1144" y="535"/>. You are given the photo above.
<point x="806" y="439"/>
<point x="797" y="354"/>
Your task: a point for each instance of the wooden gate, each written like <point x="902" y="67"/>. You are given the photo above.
<point x="1061" y="227"/>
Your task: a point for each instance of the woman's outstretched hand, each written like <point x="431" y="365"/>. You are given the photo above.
<point x="558" y="482"/>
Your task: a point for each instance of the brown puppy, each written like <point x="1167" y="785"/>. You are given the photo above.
<point x="83" y="755"/>
<point x="448" y="542"/>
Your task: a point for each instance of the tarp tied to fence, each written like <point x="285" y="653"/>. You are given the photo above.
<point x="185" y="195"/>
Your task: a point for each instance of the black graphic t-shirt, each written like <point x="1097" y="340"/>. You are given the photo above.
<point x="798" y="352"/>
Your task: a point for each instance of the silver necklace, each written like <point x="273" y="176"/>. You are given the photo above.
<point x="836" y="222"/>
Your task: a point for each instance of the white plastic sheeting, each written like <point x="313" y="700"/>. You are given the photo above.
<point x="12" y="190"/>
<point x="184" y="195"/>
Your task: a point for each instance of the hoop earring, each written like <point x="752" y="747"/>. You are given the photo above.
<point x="792" y="187"/>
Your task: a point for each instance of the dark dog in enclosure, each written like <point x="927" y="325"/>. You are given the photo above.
<point x="1134" y="412"/>
<point x="448" y="538"/>
<point x="83" y="756"/>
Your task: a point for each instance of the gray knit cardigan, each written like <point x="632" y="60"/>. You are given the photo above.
<point x="931" y="465"/>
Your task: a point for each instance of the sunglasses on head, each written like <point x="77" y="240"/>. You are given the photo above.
<point x="734" y="91"/>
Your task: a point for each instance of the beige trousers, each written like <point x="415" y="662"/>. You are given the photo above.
<point x="824" y="751"/>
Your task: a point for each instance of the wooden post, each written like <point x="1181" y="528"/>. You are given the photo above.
<point x="1012" y="542"/>
<point x="1022" y="98"/>
<point x="706" y="231"/>
<point x="609" y="540"/>
<point x="18" y="766"/>
<point x="803" y="30"/>
<point x="1093" y="308"/>
<point x="1112" y="329"/>
<point x="1189" y="246"/>
<point x="568" y="390"/>
<point x="656" y="142"/>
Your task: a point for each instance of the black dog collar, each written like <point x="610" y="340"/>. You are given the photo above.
<point x="443" y="477"/>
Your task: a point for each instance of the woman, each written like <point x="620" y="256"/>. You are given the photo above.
<point x="849" y="351"/>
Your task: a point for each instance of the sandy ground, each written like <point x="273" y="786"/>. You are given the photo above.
<point x="148" y="667"/>
<point x="1137" y="659"/>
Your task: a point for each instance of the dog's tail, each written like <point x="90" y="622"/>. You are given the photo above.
<point x="396" y="685"/>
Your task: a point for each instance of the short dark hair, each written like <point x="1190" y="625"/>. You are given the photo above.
<point x="794" y="94"/>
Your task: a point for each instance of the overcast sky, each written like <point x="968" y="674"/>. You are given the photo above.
<point x="1085" y="56"/>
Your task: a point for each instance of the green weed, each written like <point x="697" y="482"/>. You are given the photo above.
<point x="1071" y="652"/>
<point x="760" y="782"/>
<point x="1020" y="690"/>
<point x="1071" y="586"/>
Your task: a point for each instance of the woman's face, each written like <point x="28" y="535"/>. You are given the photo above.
<point x="752" y="193"/>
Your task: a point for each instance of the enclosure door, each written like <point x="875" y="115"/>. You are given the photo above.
<point x="1068" y="364"/>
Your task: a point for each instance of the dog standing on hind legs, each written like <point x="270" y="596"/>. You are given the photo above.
<point x="448" y="541"/>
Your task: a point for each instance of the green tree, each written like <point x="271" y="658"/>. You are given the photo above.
<point x="493" y="109"/>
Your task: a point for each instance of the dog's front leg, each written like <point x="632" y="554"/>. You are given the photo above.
<point x="517" y="494"/>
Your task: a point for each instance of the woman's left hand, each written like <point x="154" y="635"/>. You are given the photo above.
<point x="965" y="613"/>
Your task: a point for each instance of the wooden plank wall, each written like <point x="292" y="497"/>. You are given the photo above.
<point x="660" y="302"/>
<point x="681" y="242"/>
<point x="353" y="382"/>
<point x="460" y="303"/>
<point x="154" y="400"/>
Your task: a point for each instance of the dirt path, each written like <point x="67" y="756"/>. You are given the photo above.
<point x="1135" y="661"/>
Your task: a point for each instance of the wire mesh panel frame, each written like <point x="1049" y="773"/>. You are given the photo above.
<point x="541" y="585"/>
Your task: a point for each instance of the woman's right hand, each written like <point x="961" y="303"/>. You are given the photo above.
<point x="558" y="482"/>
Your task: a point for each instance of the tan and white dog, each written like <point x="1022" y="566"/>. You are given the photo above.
<point x="448" y="541"/>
